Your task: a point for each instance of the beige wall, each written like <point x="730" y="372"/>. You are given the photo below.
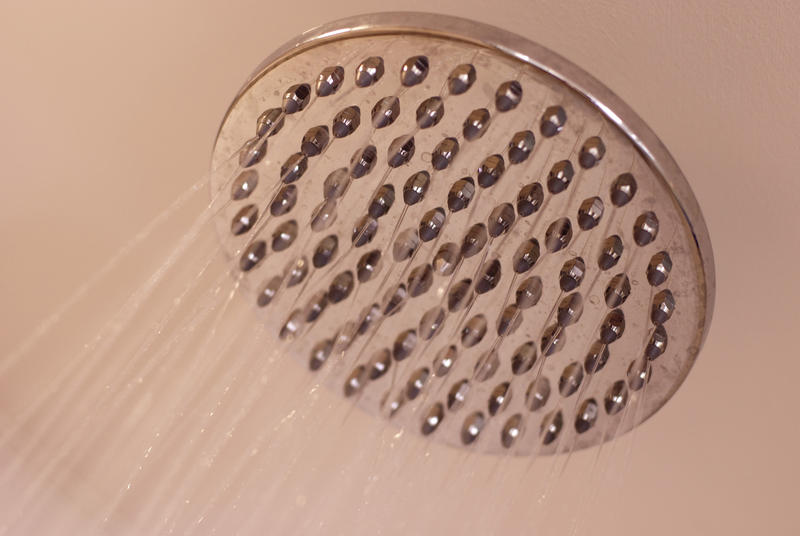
<point x="109" y="110"/>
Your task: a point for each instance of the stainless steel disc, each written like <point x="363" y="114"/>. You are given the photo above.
<point x="463" y="233"/>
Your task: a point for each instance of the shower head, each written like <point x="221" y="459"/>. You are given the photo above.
<point x="463" y="233"/>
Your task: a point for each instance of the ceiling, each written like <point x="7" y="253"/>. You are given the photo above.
<point x="109" y="112"/>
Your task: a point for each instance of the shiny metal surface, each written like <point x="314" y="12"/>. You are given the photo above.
<point x="602" y="273"/>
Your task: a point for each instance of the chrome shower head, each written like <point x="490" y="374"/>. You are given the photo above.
<point x="465" y="233"/>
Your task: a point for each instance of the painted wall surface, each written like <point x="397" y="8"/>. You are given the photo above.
<point x="109" y="110"/>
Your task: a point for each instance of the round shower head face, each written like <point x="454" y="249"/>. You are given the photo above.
<point x="464" y="234"/>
